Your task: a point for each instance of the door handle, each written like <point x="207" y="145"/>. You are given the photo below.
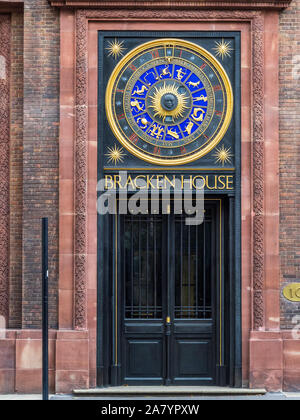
<point x="168" y="326"/>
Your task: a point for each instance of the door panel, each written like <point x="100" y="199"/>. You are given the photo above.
<point x="144" y="279"/>
<point x="194" y="359"/>
<point x="144" y="359"/>
<point x="193" y="332"/>
<point x="168" y="279"/>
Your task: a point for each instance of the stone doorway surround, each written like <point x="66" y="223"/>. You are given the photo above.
<point x="267" y="360"/>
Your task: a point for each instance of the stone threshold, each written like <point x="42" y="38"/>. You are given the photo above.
<point x="169" y="390"/>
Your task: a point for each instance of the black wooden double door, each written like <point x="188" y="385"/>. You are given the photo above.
<point x="168" y="298"/>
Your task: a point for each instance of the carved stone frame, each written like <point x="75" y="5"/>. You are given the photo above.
<point x="5" y="28"/>
<point x="256" y="19"/>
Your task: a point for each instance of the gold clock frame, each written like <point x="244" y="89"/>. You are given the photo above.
<point x="185" y="159"/>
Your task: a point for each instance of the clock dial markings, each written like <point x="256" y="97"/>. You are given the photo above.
<point x="169" y="97"/>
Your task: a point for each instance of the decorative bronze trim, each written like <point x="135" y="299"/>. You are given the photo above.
<point x="5" y="28"/>
<point x="176" y="5"/>
<point x="257" y="22"/>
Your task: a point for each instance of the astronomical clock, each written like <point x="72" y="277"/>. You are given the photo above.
<point x="168" y="102"/>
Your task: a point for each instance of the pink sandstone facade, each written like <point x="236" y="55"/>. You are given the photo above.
<point x="270" y="349"/>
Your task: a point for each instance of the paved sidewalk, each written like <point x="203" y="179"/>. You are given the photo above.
<point x="269" y="396"/>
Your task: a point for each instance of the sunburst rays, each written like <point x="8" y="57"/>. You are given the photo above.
<point x="115" y="154"/>
<point x="156" y="105"/>
<point x="223" y="49"/>
<point x="115" y="48"/>
<point x="223" y="155"/>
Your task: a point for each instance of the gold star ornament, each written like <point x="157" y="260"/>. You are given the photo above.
<point x="115" y="48"/>
<point x="223" y="155"/>
<point x="115" y="154"/>
<point x="222" y="49"/>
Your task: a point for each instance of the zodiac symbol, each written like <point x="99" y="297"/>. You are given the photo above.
<point x="180" y="74"/>
<point x="201" y="98"/>
<point x="156" y="131"/>
<point x="135" y="104"/>
<point x="165" y="72"/>
<point x="189" y="127"/>
<point x="195" y="114"/>
<point x="140" y="91"/>
<point x="144" y="122"/>
<point x="148" y="74"/>
<point x="194" y="84"/>
<point x="173" y="134"/>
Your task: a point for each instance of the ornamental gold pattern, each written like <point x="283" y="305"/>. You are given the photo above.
<point x="115" y="155"/>
<point x="157" y="102"/>
<point x="115" y="49"/>
<point x="223" y="155"/>
<point x="223" y="49"/>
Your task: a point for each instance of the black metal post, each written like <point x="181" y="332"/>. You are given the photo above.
<point x="45" y="306"/>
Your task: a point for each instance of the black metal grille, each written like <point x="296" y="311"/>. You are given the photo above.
<point x="143" y="266"/>
<point x="192" y="269"/>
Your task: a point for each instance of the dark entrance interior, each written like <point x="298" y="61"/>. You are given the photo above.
<point x="167" y="314"/>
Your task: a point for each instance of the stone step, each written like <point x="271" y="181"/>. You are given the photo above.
<point x="168" y="390"/>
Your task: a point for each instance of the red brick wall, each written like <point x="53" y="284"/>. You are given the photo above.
<point x="290" y="154"/>
<point x="40" y="166"/>
<point x="40" y="155"/>
<point x="16" y="167"/>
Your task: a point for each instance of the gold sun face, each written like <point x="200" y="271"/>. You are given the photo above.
<point x="223" y="49"/>
<point x="223" y="155"/>
<point x="161" y="92"/>
<point x="115" y="49"/>
<point x="115" y="154"/>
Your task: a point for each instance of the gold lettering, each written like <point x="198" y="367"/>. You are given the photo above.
<point x="207" y="183"/>
<point x="199" y="177"/>
<point x="292" y="292"/>
<point x="117" y="181"/>
<point x="172" y="183"/>
<point x="221" y="182"/>
<point x="139" y="186"/>
<point x="108" y="178"/>
<point x="149" y="182"/>
<point x="229" y="180"/>
<point x="182" y="181"/>
<point x="129" y="181"/>
<point x="159" y="182"/>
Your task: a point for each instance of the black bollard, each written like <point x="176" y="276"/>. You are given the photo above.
<point x="45" y="307"/>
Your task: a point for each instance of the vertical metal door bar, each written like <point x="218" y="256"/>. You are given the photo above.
<point x="147" y="268"/>
<point x="132" y="266"/>
<point x="181" y="266"/>
<point x="169" y="280"/>
<point x="154" y="267"/>
<point x="189" y="272"/>
<point x="140" y="271"/>
<point x="197" y="276"/>
<point x="204" y="270"/>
